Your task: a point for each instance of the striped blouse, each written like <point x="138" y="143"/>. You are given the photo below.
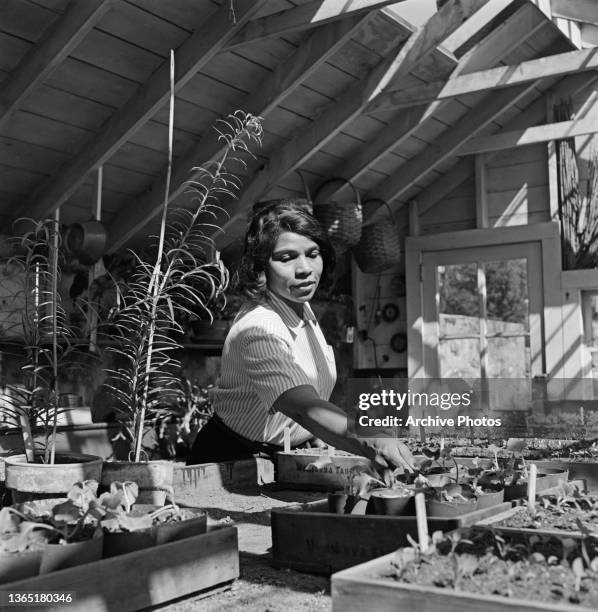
<point x="268" y="351"/>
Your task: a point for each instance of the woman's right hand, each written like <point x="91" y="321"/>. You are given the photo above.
<point x="391" y="453"/>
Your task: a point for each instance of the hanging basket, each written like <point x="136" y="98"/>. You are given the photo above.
<point x="379" y="247"/>
<point x="341" y="221"/>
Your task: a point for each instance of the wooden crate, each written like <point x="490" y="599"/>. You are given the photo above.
<point x="292" y="469"/>
<point x="194" y="483"/>
<point x="308" y="538"/>
<point x="358" y="588"/>
<point x="201" y="564"/>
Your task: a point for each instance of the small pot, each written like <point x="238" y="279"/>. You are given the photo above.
<point x="555" y="476"/>
<point x="519" y="490"/>
<point x="491" y="498"/>
<point x="391" y="502"/>
<point x="444" y="509"/>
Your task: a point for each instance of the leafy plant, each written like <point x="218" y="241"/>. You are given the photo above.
<point x="49" y="344"/>
<point x="183" y="278"/>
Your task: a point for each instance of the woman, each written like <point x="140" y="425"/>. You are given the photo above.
<point x="277" y="369"/>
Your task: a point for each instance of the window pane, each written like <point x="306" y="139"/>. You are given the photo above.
<point x="506" y="296"/>
<point x="459" y="358"/>
<point x="507" y="312"/>
<point x="508" y="357"/>
<point x="459" y="309"/>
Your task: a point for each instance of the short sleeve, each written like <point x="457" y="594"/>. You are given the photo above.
<point x="270" y="366"/>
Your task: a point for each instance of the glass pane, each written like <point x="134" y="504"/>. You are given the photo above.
<point x="459" y="358"/>
<point x="507" y="311"/>
<point x="458" y="308"/>
<point x="508" y="357"/>
<point x="506" y="296"/>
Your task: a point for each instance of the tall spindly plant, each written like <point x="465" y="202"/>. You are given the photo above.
<point x="185" y="276"/>
<point x="45" y="335"/>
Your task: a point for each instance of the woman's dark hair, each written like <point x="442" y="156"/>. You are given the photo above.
<point x="270" y="219"/>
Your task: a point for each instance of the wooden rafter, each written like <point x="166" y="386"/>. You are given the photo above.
<point x="304" y="17"/>
<point x="576" y="10"/>
<point x="318" y="47"/>
<point x="535" y="112"/>
<point x="343" y="111"/>
<point x="191" y="56"/>
<point x="519" y="27"/>
<point x="486" y="80"/>
<point x="530" y="135"/>
<point x="446" y="145"/>
<point x="54" y="46"/>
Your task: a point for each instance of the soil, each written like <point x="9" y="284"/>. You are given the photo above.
<point x="529" y="580"/>
<point x="261" y="587"/>
<point x="564" y="517"/>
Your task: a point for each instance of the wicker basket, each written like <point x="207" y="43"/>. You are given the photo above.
<point x="379" y="247"/>
<point x="341" y="221"/>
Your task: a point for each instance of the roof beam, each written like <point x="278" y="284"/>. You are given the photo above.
<point x="519" y="27"/>
<point x="485" y="80"/>
<point x="316" y="13"/>
<point x="447" y="144"/>
<point x="54" y="46"/>
<point x="434" y="193"/>
<point x="346" y="109"/>
<point x="191" y="56"/>
<point x="576" y="10"/>
<point x="531" y="135"/>
<point x="319" y="46"/>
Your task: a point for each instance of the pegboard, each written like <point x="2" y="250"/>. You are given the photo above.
<point x="380" y="310"/>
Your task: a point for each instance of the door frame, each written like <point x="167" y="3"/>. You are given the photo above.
<point x="546" y="235"/>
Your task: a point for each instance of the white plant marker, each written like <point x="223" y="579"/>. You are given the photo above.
<point x="441" y="442"/>
<point x="287" y="440"/>
<point x="531" y="485"/>
<point x="422" y="521"/>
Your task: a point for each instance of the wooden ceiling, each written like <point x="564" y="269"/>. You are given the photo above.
<point x="394" y="96"/>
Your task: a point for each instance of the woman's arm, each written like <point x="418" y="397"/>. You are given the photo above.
<point x="329" y="423"/>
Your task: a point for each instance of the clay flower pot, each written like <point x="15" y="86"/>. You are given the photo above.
<point x="154" y="478"/>
<point x="391" y="502"/>
<point x="29" y="481"/>
<point x="490" y="498"/>
<point x="519" y="489"/>
<point x="555" y="476"/>
<point x="445" y="509"/>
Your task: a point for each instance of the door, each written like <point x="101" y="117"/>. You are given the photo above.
<point x="482" y="312"/>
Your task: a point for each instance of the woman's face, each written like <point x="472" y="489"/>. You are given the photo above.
<point x="294" y="269"/>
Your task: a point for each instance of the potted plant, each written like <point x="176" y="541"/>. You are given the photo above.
<point x="356" y="494"/>
<point x="47" y="342"/>
<point x="43" y="536"/>
<point x="182" y="277"/>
